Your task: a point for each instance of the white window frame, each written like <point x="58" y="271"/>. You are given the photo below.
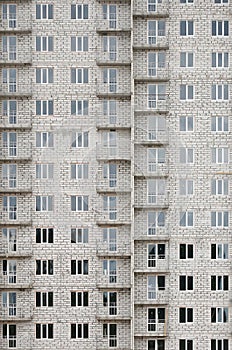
<point x="44" y="139"/>
<point x="80" y="139"/>
<point x="186" y="123"/>
<point x="220" y="344"/>
<point x="11" y="271"/>
<point x="187" y="278"/>
<point x="44" y="298"/>
<point x="220" y="283"/>
<point x="44" y="171"/>
<point x="44" y="107"/>
<point x="109" y="108"/>
<point x="110" y="270"/>
<point x="9" y="14"/>
<point x="10" y="78"/>
<point x="187" y="92"/>
<point x="110" y="46"/>
<point x="109" y="237"/>
<point x="44" y="43"/>
<point x="187" y="246"/>
<point x="110" y="79"/>
<point x="220" y="92"/>
<point x="10" y="174"/>
<point x="220" y="155"/>
<point x="10" y="206"/>
<point x="111" y="336"/>
<point x="220" y="219"/>
<point x="80" y="11"/>
<point x="186" y="343"/>
<point x="9" y="303"/>
<point x="10" y="110"/>
<point x="44" y="75"/>
<point x="79" y="44"/>
<point x="220" y="124"/>
<point x="79" y="171"/>
<point x="220" y="187"/>
<point x="222" y="314"/>
<point x="155" y="29"/>
<point x="155" y="93"/>
<point x="153" y="287"/>
<point x="187" y="28"/>
<point x="11" y="339"/>
<point x="155" y="156"/>
<point x="187" y="218"/>
<point x="44" y="11"/>
<point x="79" y="235"/>
<point x="80" y="107"/>
<point x="152" y="5"/>
<point x="43" y="203"/>
<point x="110" y="300"/>
<point x="44" y="333"/>
<point x="9" y="46"/>
<point x="222" y="251"/>
<point x="156" y="126"/>
<point x="110" y="207"/>
<point x="154" y="222"/>
<point x="222" y="28"/>
<point x="80" y="203"/>
<point x="186" y="315"/>
<point x="186" y="59"/>
<point x="186" y="155"/>
<point x="110" y="13"/>
<point x="10" y="143"/>
<point x="46" y="235"/>
<point x="220" y="59"/>
<point x="9" y="235"/>
<point x="156" y="189"/>
<point x="156" y="61"/>
<point x="186" y="187"/>
<point x="79" y="75"/>
<point x="110" y="173"/>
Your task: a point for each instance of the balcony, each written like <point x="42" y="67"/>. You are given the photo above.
<point x="20" y="343"/>
<point x="114" y="249"/>
<point x="14" y="313"/>
<point x="113" y="312"/>
<point x="158" y="170"/>
<point x="22" y="153"/>
<point x="158" y="297"/>
<point x="160" y="74"/>
<point x="160" y="330"/>
<point x="158" y="10"/>
<point x="157" y="201"/>
<point x="145" y="103"/>
<point x="119" y="118"/>
<point x="121" y="152"/>
<point x="120" y="183"/>
<point x="114" y="90"/>
<point x="149" y="234"/>
<point x="19" y="249"/>
<point x="119" y="212"/>
<point x="151" y="137"/>
<point x="158" y="264"/>
<point x="119" y="58"/>
<point x="16" y="281"/>
<point x="10" y="59"/>
<point x="16" y="90"/>
<point x="120" y="25"/>
<point x="158" y="41"/>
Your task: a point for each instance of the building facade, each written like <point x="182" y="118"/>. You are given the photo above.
<point x="115" y="174"/>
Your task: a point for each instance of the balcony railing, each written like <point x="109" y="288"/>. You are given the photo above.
<point x="161" y="41"/>
<point x="13" y="313"/>
<point x="156" y="74"/>
<point x="8" y="90"/>
<point x="151" y="103"/>
<point x="113" y="311"/>
<point x="156" y="328"/>
<point x="15" y="58"/>
<point x="146" y="297"/>
<point x="113" y="25"/>
<point x="158" y="9"/>
<point x="116" y="89"/>
<point x="114" y="281"/>
<point x="20" y="343"/>
<point x="151" y="265"/>
<point x="153" y="201"/>
<point x="113" y="248"/>
<point x="152" y="169"/>
<point x="16" y="280"/>
<point x="16" y="249"/>
<point x="120" y="152"/>
<point x="113" y="58"/>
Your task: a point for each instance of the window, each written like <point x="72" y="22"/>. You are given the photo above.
<point x="79" y="298"/>
<point x="44" y="235"/>
<point x="109" y="140"/>
<point x="110" y="332"/>
<point x="44" y="139"/>
<point x="155" y="252"/>
<point x="109" y="46"/>
<point x="186" y="218"/>
<point x="155" y="316"/>
<point x="44" y="11"/>
<point x="9" y="46"/>
<point x="186" y="155"/>
<point x="219" y="218"/>
<point x="220" y="155"/>
<point x="9" y="78"/>
<point x="186" y="92"/>
<point x="220" y="187"/>
<point x="80" y="139"/>
<point x="9" y="235"/>
<point x="44" y="203"/>
<point x="155" y="29"/>
<point x="79" y="43"/>
<point x="220" y="124"/>
<point x="44" y="171"/>
<point x="79" y="11"/>
<point x="185" y="344"/>
<point x="44" y="75"/>
<point x="185" y="283"/>
<point x="79" y="235"/>
<point x="156" y="61"/>
<point x="44" y="299"/>
<point x="109" y="237"/>
<point x="44" y="331"/>
<point x="185" y="187"/>
<point x="185" y="314"/>
<point x="110" y="207"/>
<point x="79" y="107"/>
<point x="9" y="175"/>
<point x="9" y="333"/>
<point x="44" y="107"/>
<point x="220" y="59"/>
<point x="186" y="59"/>
<point x="186" y="251"/>
<point x="221" y="2"/>
<point x="79" y="203"/>
<point x="156" y="344"/>
<point x="220" y="28"/>
<point x="110" y="270"/>
<point x="110" y="300"/>
<point x="154" y="285"/>
<point x="219" y="282"/>
<point x="10" y="206"/>
<point x="44" y="43"/>
<point x="44" y="267"/>
<point x="9" y="143"/>
<point x="109" y="13"/>
<point x="219" y="344"/>
<point x="9" y="14"/>
<point x="220" y="92"/>
<point x="186" y="2"/>
<point x="156" y="92"/>
<point x="79" y="75"/>
<point x="79" y="171"/>
<point x="156" y="127"/>
<point x="109" y="171"/>
<point x="9" y="268"/>
<point x="109" y="77"/>
<point x="155" y="219"/>
<point x="79" y="267"/>
<point x="186" y="123"/>
<point x="219" y="314"/>
<point x="9" y="303"/>
<point x="109" y="109"/>
<point x="219" y="251"/>
<point x="9" y="109"/>
<point x="155" y="157"/>
<point x="156" y="189"/>
<point x="186" y="28"/>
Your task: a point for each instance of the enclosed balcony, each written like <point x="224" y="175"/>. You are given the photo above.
<point x="113" y="18"/>
<point x="114" y="114"/>
<point x="151" y="10"/>
<point x="114" y="177"/>
<point x="16" y="50"/>
<point x="15" y="18"/>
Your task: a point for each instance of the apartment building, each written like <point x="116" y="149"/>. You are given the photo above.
<point x="115" y="174"/>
